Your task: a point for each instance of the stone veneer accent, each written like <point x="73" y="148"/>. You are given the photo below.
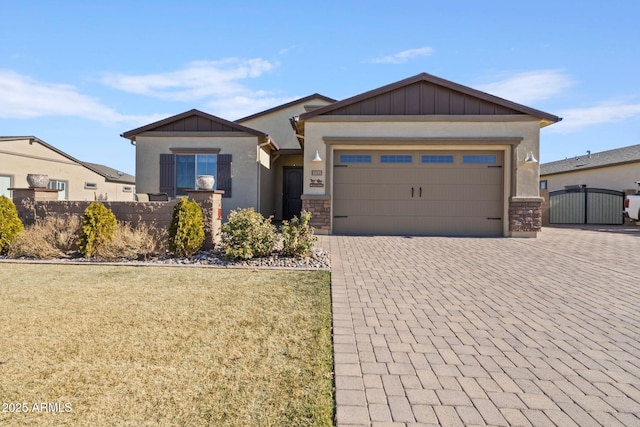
<point x="525" y="214"/>
<point x="320" y="208"/>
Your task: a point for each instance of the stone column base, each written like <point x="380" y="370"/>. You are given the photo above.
<point x="525" y="216"/>
<point x="320" y="208"/>
<point x="211" y="203"/>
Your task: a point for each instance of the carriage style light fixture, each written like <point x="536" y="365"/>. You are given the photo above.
<point x="530" y="158"/>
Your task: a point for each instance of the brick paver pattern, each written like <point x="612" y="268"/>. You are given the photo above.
<point x="471" y="331"/>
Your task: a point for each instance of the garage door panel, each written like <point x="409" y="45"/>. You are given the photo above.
<point x="452" y="197"/>
<point x="377" y="176"/>
<point x="387" y="191"/>
<point x="405" y="225"/>
<point x="460" y="192"/>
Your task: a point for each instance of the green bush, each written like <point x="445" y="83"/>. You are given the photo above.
<point x="10" y="224"/>
<point x="297" y="236"/>
<point x="186" y="234"/>
<point x="247" y="235"/>
<point x="98" y="226"/>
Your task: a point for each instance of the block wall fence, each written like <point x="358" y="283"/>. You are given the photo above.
<point x="38" y="203"/>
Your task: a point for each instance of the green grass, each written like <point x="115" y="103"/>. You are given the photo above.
<point x="165" y="346"/>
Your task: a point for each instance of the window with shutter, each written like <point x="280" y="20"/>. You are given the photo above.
<point x="224" y="174"/>
<point x="167" y="174"/>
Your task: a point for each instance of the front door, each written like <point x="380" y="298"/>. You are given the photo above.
<point x="292" y="191"/>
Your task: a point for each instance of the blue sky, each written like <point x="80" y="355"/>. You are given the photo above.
<point x="77" y="74"/>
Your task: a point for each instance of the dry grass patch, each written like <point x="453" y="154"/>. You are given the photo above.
<point x="168" y="346"/>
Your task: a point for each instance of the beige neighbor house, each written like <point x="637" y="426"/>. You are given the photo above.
<point x="422" y="156"/>
<point x="75" y="180"/>
<point x="617" y="169"/>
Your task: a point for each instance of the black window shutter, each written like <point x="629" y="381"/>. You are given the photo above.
<point x="167" y="174"/>
<point x="224" y="174"/>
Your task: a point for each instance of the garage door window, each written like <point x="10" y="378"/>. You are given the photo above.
<point x="396" y="159"/>
<point x="352" y="158"/>
<point x="437" y="159"/>
<point x="479" y="159"/>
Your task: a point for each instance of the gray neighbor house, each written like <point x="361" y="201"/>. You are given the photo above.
<point x="421" y="156"/>
<point x="590" y="189"/>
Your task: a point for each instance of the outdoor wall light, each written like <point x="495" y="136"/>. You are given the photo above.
<point x="530" y="158"/>
<point x="317" y="157"/>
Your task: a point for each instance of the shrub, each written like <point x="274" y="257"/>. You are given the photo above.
<point x="247" y="235"/>
<point x="98" y="226"/>
<point x="10" y="224"/>
<point x="129" y="242"/>
<point x="297" y="236"/>
<point x="186" y="234"/>
<point x="52" y="237"/>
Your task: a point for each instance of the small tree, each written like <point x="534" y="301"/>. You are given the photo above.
<point x="10" y="224"/>
<point x="297" y="236"/>
<point x="186" y="234"/>
<point x="98" y="226"/>
<point x="247" y="235"/>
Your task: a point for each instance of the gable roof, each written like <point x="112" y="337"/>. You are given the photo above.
<point x="618" y="156"/>
<point x="193" y="121"/>
<point x="108" y="173"/>
<point x="287" y="105"/>
<point x="425" y="94"/>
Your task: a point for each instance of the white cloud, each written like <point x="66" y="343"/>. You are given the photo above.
<point x="237" y="107"/>
<point x="528" y="87"/>
<point x="404" y="56"/>
<point x="604" y="112"/>
<point x="24" y="97"/>
<point x="198" y="80"/>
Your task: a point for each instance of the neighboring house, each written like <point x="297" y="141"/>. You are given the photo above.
<point x="617" y="169"/>
<point x="75" y="180"/>
<point x="420" y="156"/>
<point x="252" y="167"/>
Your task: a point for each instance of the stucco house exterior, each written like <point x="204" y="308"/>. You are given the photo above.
<point x="75" y="180"/>
<point x="422" y="156"/>
<point x="257" y="160"/>
<point x="616" y="169"/>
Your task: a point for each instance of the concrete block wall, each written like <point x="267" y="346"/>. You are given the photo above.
<point x="34" y="204"/>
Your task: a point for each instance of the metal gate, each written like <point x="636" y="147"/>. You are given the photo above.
<point x="586" y="206"/>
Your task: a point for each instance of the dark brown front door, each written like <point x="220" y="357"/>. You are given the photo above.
<point x="292" y="203"/>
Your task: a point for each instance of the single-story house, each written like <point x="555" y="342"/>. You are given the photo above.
<point x="616" y="169"/>
<point x="251" y="166"/>
<point x="75" y="180"/>
<point x="422" y="156"/>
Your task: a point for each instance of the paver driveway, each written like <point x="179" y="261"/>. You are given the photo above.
<point x="457" y="331"/>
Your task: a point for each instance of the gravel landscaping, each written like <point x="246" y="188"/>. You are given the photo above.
<point x="319" y="260"/>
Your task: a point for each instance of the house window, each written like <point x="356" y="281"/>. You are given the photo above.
<point x="437" y="159"/>
<point x="479" y="159"/>
<point x="127" y="189"/>
<point x="189" y="166"/>
<point x="395" y="159"/>
<point x="352" y="158"/>
<point x="5" y="184"/>
<point x="543" y="185"/>
<point x="90" y="185"/>
<point x="61" y="186"/>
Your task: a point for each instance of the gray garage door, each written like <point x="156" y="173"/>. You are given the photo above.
<point x="418" y="193"/>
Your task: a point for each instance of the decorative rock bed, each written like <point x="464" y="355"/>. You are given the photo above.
<point x="318" y="260"/>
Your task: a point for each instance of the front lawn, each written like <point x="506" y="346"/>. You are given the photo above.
<point x="104" y="345"/>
